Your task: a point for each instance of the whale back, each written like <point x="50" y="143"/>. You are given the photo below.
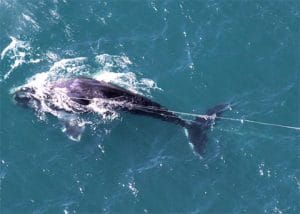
<point x="82" y="90"/>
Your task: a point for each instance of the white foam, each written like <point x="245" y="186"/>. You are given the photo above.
<point x="129" y="81"/>
<point x="150" y="84"/>
<point x="62" y="69"/>
<point x="52" y="56"/>
<point x="115" y="69"/>
<point x="106" y="113"/>
<point x="109" y="62"/>
<point x="133" y="189"/>
<point x="17" y="51"/>
<point x="41" y="83"/>
<point x="13" y="46"/>
<point x="71" y="66"/>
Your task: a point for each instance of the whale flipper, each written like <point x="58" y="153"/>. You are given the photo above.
<point x="73" y="128"/>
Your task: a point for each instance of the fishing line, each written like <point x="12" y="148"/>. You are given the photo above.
<point x="261" y="123"/>
<point x="238" y="120"/>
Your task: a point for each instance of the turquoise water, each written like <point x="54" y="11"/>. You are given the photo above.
<point x="187" y="55"/>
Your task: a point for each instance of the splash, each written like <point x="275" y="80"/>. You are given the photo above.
<point x="116" y="69"/>
<point x="108" y="62"/>
<point x="69" y="67"/>
<point x="129" y="81"/>
<point x="18" y="52"/>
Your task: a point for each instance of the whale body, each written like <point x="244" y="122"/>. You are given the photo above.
<point x="80" y="93"/>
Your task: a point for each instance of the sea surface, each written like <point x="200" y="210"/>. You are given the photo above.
<point x="186" y="55"/>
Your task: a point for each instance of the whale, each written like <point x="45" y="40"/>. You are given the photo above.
<point x="80" y="93"/>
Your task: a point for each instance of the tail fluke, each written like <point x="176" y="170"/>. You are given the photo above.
<point x="197" y="130"/>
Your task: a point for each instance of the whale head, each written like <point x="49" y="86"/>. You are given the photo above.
<point x="25" y="97"/>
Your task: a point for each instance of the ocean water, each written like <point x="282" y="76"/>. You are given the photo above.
<point x="187" y="55"/>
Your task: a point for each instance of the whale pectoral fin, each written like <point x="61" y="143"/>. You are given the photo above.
<point x="73" y="128"/>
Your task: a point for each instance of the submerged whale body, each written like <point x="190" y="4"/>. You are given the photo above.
<point x="79" y="94"/>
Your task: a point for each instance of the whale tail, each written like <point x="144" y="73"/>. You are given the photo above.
<point x="197" y="130"/>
